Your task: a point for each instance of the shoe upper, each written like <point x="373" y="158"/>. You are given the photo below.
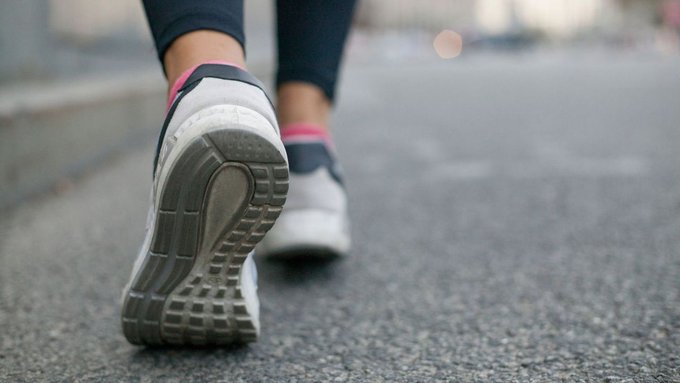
<point x="210" y="85"/>
<point x="314" y="221"/>
<point x="316" y="178"/>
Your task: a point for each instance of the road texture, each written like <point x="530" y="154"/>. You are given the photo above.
<point x="516" y="218"/>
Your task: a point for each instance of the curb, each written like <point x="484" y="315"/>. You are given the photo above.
<point x="51" y="132"/>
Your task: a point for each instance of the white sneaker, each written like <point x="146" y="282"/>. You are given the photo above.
<point x="221" y="178"/>
<point x="315" y="221"/>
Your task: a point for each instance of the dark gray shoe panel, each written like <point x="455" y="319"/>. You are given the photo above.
<point x="225" y="72"/>
<point x="223" y="194"/>
<point x="305" y="157"/>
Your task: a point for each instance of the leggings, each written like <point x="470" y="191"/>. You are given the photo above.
<point x="311" y="34"/>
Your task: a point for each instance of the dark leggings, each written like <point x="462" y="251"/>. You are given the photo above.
<point x="311" y="33"/>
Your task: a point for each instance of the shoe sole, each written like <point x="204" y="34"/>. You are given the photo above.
<point x="222" y="195"/>
<point x="307" y="233"/>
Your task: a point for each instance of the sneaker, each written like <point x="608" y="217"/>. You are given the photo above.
<point x="315" y="222"/>
<point x="220" y="180"/>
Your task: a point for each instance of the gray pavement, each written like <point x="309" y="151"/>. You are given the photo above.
<point x="516" y="218"/>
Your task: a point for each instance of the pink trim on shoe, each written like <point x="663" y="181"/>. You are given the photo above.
<point x="185" y="75"/>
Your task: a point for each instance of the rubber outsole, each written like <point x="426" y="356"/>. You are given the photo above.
<point x="222" y="195"/>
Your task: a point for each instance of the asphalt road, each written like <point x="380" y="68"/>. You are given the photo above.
<point x="516" y="218"/>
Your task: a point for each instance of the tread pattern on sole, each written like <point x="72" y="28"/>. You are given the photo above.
<point x="187" y="291"/>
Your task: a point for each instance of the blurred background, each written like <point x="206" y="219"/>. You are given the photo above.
<point x="66" y="63"/>
<point x="512" y="168"/>
<point x="66" y="36"/>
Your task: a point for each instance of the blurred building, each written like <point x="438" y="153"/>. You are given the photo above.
<point x="24" y="29"/>
<point x="95" y="20"/>
<point x="555" y="19"/>
<point x="32" y="30"/>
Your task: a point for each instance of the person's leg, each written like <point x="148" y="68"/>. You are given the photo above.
<point x="220" y="180"/>
<point x="189" y="33"/>
<point x="302" y="102"/>
<point x="199" y="47"/>
<point x="311" y="37"/>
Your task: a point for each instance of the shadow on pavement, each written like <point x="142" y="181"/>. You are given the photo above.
<point x="300" y="271"/>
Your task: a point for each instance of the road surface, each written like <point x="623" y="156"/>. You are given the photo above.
<point x="515" y="218"/>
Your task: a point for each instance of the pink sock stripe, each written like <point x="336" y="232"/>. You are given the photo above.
<point x="179" y="83"/>
<point x="306" y="132"/>
<point x="303" y="130"/>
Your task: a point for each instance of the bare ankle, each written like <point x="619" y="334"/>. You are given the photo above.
<point x="198" y="47"/>
<point x="300" y="102"/>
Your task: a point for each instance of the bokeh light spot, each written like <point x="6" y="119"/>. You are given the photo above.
<point x="448" y="44"/>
